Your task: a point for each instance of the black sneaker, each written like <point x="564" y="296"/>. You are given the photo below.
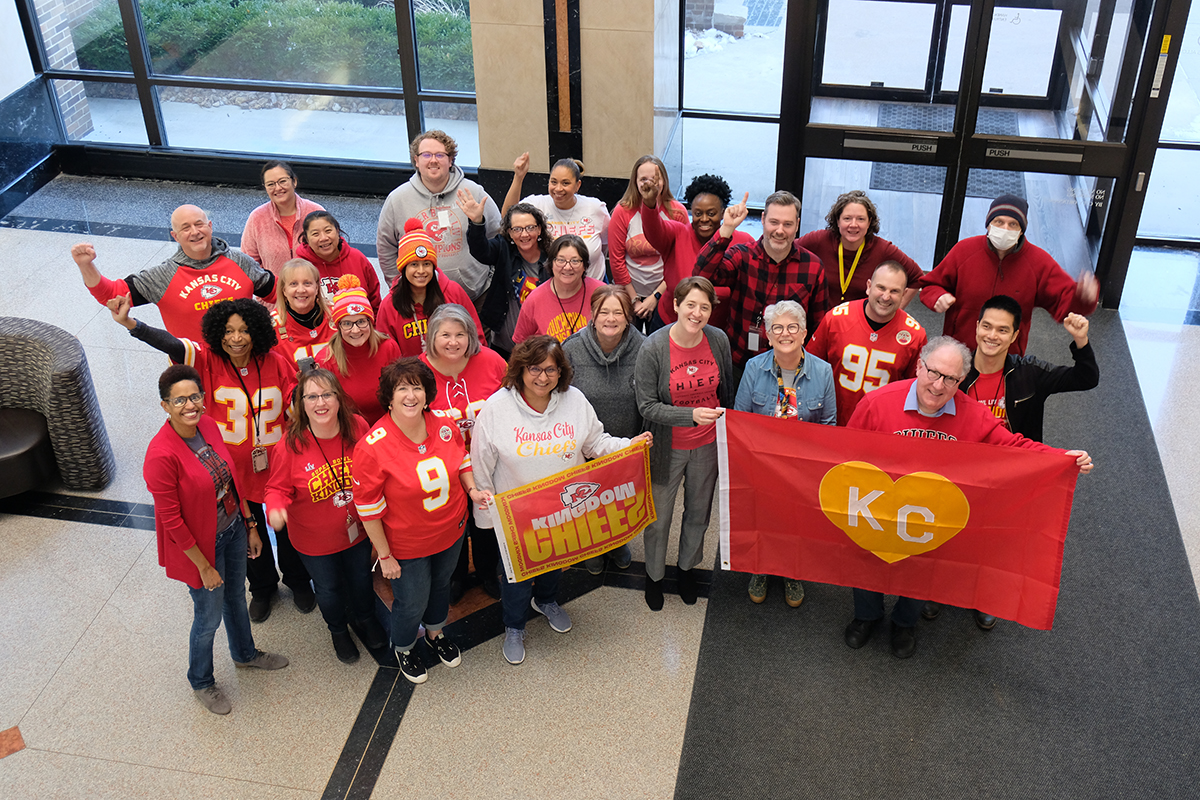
<point x="343" y="645"/>
<point x="411" y="666"/>
<point x="447" y="651"/>
<point x="370" y="633"/>
<point x="260" y="608"/>
<point x="305" y="599"/>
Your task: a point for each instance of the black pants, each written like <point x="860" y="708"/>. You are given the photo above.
<point x="484" y="549"/>
<point x="261" y="572"/>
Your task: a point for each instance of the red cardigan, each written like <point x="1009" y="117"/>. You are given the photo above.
<point x="185" y="502"/>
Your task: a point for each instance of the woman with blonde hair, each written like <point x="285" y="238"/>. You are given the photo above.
<point x="357" y="353"/>
<point x="301" y="313"/>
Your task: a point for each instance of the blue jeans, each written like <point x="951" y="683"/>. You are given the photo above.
<point x="343" y="580"/>
<point x="422" y="595"/>
<point x="514" y="597"/>
<point x="869" y="605"/>
<point x="227" y="601"/>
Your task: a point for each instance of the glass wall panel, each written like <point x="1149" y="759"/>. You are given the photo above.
<point x="461" y="121"/>
<point x="1182" y="123"/>
<point x="743" y="153"/>
<point x="724" y="72"/>
<point x="444" y="57"/>
<point x="312" y="41"/>
<point x="83" y="35"/>
<point x="1020" y="55"/>
<point x="1172" y="207"/>
<point x="96" y="111"/>
<point x="286" y="124"/>
<point x="877" y="43"/>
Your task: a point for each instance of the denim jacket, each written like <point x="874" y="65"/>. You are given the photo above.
<point x="759" y="389"/>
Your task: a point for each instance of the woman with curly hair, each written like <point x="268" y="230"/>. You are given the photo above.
<point x="324" y="245"/>
<point x="521" y="261"/>
<point x="850" y="249"/>
<point x="249" y="385"/>
<point x="418" y="292"/>
<point x="357" y="353"/>
<point x="680" y="243"/>
<point x="301" y="312"/>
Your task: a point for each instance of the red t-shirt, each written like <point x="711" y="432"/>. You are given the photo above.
<point x="462" y="397"/>
<point x="295" y="340"/>
<point x="989" y="390"/>
<point x="270" y="383"/>
<point x="414" y="490"/>
<point x="362" y="382"/>
<point x="316" y="488"/>
<point x="694" y="380"/>
<point x="545" y="312"/>
<point x="409" y="332"/>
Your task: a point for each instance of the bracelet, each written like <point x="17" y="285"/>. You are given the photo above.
<point x="251" y="522"/>
<point x="385" y="558"/>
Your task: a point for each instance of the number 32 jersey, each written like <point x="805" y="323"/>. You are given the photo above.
<point x="414" y="490"/>
<point x="864" y="359"/>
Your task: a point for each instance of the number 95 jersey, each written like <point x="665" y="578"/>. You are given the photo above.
<point x="862" y="358"/>
<point x="413" y="489"/>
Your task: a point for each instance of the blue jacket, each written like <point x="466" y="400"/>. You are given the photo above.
<point x="759" y="389"/>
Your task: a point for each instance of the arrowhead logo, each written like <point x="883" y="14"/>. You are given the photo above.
<point x="893" y="520"/>
<point x="575" y="493"/>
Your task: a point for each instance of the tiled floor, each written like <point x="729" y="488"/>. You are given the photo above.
<point x="93" y="637"/>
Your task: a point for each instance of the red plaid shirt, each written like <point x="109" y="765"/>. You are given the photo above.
<point x="756" y="281"/>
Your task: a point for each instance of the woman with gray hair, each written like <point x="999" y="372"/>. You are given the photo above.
<point x="466" y="374"/>
<point x="786" y="383"/>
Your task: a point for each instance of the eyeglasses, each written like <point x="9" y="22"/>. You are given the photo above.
<point x="326" y="397"/>
<point x="434" y="157"/>
<point x="194" y="399"/>
<point x="525" y="229"/>
<point x="791" y="327"/>
<point x="610" y="313"/>
<point x="936" y="376"/>
<point x="549" y="372"/>
<point x="574" y="262"/>
<point x="351" y="324"/>
<point x="282" y="183"/>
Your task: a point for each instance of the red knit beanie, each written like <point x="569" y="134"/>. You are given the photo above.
<point x="415" y="246"/>
<point x="350" y="300"/>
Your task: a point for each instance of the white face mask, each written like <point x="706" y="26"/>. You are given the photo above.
<point x="1002" y="238"/>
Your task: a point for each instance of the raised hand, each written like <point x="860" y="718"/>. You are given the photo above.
<point x="942" y="303"/>
<point x="734" y="215"/>
<point x="470" y="206"/>
<point x="521" y="165"/>
<point x="1087" y="288"/>
<point x="119" y="308"/>
<point x="84" y="254"/>
<point x="1077" y="326"/>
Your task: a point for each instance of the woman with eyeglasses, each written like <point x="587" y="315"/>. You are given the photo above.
<point x="249" y="385"/>
<point x="562" y="305"/>
<point x="325" y="247"/>
<point x="301" y="313"/>
<point x="419" y="292"/>
<point x="357" y="353"/>
<point x="566" y="210"/>
<point x="274" y="229"/>
<point x="311" y="492"/>
<point x="786" y="383"/>
<point x="520" y="261"/>
<point x="538" y="400"/>
<point x="205" y="530"/>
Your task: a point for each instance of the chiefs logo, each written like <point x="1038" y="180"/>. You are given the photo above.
<point x="445" y="433"/>
<point x="692" y="370"/>
<point x="903" y="337"/>
<point x="421" y="251"/>
<point x="577" y="492"/>
<point x="355" y="308"/>
<point x="209" y="291"/>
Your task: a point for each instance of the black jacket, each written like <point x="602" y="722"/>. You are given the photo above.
<point x="502" y="254"/>
<point x="1028" y="381"/>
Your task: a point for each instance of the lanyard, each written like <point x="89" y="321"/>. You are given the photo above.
<point x="340" y="473"/>
<point x="842" y="266"/>
<point x="579" y="316"/>
<point x="253" y="411"/>
<point x="787" y="405"/>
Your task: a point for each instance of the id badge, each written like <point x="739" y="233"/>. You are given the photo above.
<point x="352" y="529"/>
<point x="258" y="458"/>
<point x="444" y="218"/>
<point x="753" y="338"/>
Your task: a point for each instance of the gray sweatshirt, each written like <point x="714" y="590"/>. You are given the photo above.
<point x="607" y="379"/>
<point x="444" y="221"/>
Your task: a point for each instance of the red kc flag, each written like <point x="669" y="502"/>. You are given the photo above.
<point x="966" y="524"/>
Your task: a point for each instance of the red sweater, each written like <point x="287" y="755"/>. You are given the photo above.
<point x="185" y="500"/>
<point x="349" y="261"/>
<point x="973" y="273"/>
<point x="295" y="340"/>
<point x="362" y="381"/>
<point x="624" y="245"/>
<point x="307" y="486"/>
<point x="875" y="251"/>
<point x="409" y="332"/>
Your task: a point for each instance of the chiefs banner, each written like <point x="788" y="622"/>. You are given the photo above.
<point x="970" y="525"/>
<point x="576" y="514"/>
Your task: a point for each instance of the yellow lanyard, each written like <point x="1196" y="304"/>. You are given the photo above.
<point x="842" y="266"/>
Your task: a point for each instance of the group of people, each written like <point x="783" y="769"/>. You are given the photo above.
<point x="371" y="424"/>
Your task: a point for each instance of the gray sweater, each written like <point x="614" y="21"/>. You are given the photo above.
<point x="607" y="379"/>
<point x="654" y="391"/>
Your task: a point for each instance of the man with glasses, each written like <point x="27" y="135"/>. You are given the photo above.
<point x="929" y="407"/>
<point x="201" y="273"/>
<point x="430" y="196"/>
<point x="872" y="342"/>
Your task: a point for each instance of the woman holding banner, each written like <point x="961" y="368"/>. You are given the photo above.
<point x="684" y="384"/>
<point x="556" y="428"/>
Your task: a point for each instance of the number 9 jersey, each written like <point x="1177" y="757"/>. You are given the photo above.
<point x="863" y="359"/>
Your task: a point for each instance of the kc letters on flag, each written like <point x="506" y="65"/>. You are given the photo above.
<point x="970" y="525"/>
<point x="576" y="514"/>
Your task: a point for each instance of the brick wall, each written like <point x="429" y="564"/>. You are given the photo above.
<point x="55" y="18"/>
<point x="698" y="14"/>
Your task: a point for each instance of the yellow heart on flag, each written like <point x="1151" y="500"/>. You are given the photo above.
<point x="893" y="520"/>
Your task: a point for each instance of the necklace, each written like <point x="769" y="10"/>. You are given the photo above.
<point x="572" y="321"/>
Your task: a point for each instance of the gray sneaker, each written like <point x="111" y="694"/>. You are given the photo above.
<point x="554" y="614"/>
<point x="793" y="593"/>
<point x="214" y="699"/>
<point x="514" y="645"/>
<point x="758" y="588"/>
<point x="263" y="660"/>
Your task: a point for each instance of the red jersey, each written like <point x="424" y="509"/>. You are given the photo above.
<point x="316" y="488"/>
<point x="414" y="490"/>
<point x="296" y="341"/>
<point x="461" y="398"/>
<point x="409" y="332"/>
<point x="362" y="380"/>
<point x="862" y="358"/>
<point x="245" y="421"/>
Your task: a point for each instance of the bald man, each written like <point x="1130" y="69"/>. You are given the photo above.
<point x="203" y="271"/>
